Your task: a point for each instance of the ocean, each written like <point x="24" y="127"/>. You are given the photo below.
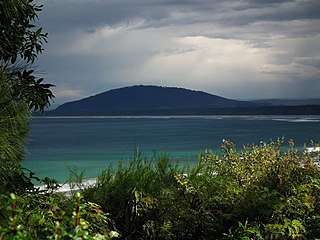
<point x="92" y="144"/>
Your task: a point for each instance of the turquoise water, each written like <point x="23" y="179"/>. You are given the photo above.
<point x="92" y="144"/>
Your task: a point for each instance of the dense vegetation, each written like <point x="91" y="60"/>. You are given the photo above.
<point x="21" y="92"/>
<point x="258" y="192"/>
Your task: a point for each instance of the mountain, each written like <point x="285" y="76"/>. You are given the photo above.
<point x="146" y="98"/>
<point x="289" y="102"/>
<point x="155" y="100"/>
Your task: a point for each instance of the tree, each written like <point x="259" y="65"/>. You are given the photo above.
<point x="21" y="92"/>
<point x="20" y="43"/>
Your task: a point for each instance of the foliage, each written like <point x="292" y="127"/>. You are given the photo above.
<point x="259" y="192"/>
<point x="14" y="117"/>
<point x="20" y="43"/>
<point x="20" y="90"/>
<point x="17" y="38"/>
<point x="41" y="216"/>
<point x="128" y="193"/>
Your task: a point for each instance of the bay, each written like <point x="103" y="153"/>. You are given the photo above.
<point x="91" y="144"/>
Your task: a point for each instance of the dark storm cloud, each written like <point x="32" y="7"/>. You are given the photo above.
<point x="89" y="15"/>
<point x="259" y="11"/>
<point x="226" y="47"/>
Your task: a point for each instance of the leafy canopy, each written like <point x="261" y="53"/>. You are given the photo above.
<point x="20" y="90"/>
<point x="20" y="43"/>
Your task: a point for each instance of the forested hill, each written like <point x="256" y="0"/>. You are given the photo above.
<point x="147" y="98"/>
<point x="155" y="100"/>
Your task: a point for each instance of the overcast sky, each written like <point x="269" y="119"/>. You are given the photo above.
<point x="250" y="49"/>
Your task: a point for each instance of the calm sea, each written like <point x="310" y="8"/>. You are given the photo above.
<point x="93" y="143"/>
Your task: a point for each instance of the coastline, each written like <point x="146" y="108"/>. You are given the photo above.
<point x="68" y="188"/>
<point x="92" y="144"/>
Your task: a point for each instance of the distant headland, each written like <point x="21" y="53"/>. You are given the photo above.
<point x="156" y="100"/>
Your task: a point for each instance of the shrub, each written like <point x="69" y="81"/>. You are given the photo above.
<point x="130" y="194"/>
<point x="259" y="192"/>
<point x="39" y="216"/>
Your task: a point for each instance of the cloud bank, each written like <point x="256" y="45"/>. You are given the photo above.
<point x="238" y="49"/>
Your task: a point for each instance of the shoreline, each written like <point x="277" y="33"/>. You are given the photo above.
<point x="66" y="188"/>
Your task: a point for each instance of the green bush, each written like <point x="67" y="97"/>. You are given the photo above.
<point x="42" y="216"/>
<point x="130" y="194"/>
<point x="259" y="192"/>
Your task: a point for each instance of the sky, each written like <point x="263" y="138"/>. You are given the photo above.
<point x="246" y="49"/>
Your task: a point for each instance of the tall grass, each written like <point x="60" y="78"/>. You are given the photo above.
<point x="14" y="119"/>
<point x="258" y="192"/>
